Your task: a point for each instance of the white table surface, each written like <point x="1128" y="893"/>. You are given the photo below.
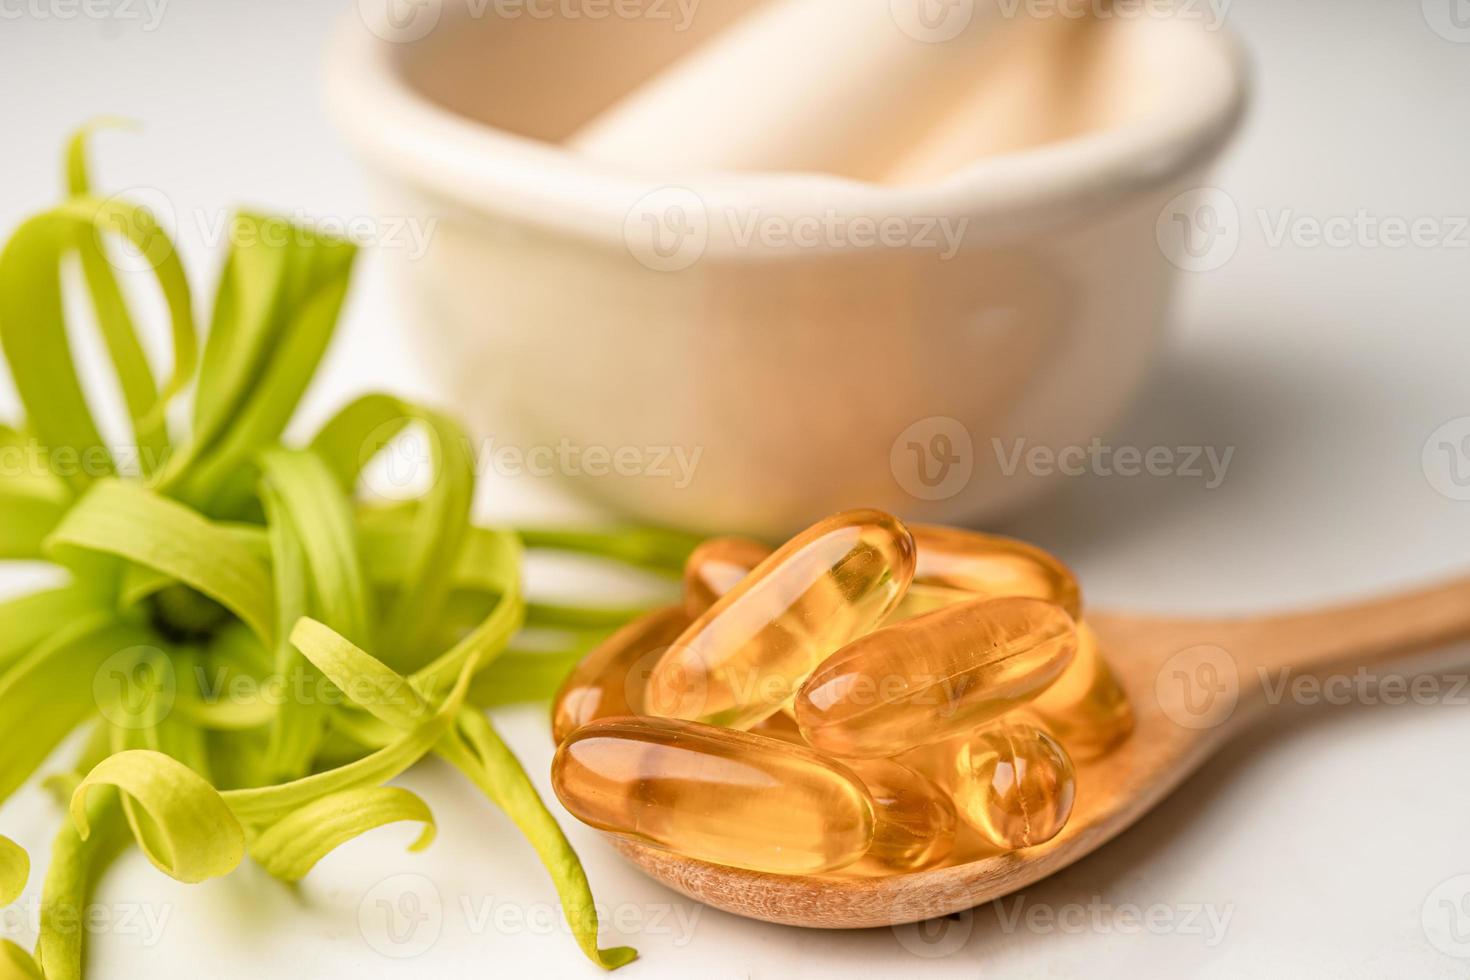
<point x="1323" y="843"/>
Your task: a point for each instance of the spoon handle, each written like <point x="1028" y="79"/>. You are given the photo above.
<point x="1393" y="632"/>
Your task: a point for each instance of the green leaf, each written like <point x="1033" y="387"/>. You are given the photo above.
<point x="655" y="549"/>
<point x="271" y="803"/>
<point x="357" y="433"/>
<point x="178" y="819"/>
<point x="490" y="764"/>
<point x="135" y="523"/>
<point x="440" y="525"/>
<point x="31" y="497"/>
<point x="367" y="681"/>
<point x="518" y="676"/>
<point x="16" y="963"/>
<point x="278" y="303"/>
<point x="321" y="515"/>
<point x="129" y="362"/>
<point x="291" y="848"/>
<point x="52" y="689"/>
<point x="297" y="726"/>
<point x="33" y="324"/>
<point x="27" y="620"/>
<point x="15" y="868"/>
<point x="71" y="877"/>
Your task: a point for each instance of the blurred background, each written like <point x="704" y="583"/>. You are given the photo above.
<point x="1324" y="359"/>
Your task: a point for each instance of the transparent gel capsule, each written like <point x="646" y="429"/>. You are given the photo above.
<point x="715" y="568"/>
<point x="605" y="684"/>
<point x="934" y="677"/>
<point x="951" y="563"/>
<point x="1086" y="709"/>
<point x="781" y="725"/>
<point x="914" y="820"/>
<point x="714" y="794"/>
<point x="744" y="658"/>
<point x="1013" y="783"/>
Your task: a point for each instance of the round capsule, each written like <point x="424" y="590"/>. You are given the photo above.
<point x="605" y="684"/>
<point x="1013" y="783"/>
<point x="986" y="564"/>
<point x="1086" y="708"/>
<point x="744" y="658"/>
<point x="914" y="820"/>
<point x="717" y="795"/>
<point x="934" y="677"/>
<point x="715" y="568"/>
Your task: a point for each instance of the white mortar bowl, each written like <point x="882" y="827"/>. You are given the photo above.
<point x="727" y="384"/>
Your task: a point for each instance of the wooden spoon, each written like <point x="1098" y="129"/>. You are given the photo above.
<point x="1194" y="684"/>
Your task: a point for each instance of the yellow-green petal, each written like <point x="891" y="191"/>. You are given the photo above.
<point x="179" y="820"/>
<point x="292" y="847"/>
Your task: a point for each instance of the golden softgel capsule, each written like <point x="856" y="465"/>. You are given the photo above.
<point x="607" y="682"/>
<point x="914" y="820"/>
<point x="1086" y="709"/>
<point x="1013" y="783"/>
<point x="715" y="568"/>
<point x="952" y="564"/>
<point x="717" y="795"/>
<point x="934" y="677"/>
<point x="744" y="658"/>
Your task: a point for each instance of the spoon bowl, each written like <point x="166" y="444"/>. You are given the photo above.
<point x="1193" y="684"/>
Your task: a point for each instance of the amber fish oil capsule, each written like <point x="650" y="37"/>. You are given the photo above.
<point x="605" y="684"/>
<point x="714" y="794"/>
<point x="716" y="567"/>
<point x="744" y="658"/>
<point x="949" y="559"/>
<point x="1013" y="783"/>
<point x="1086" y="709"/>
<point x="914" y="819"/>
<point x="934" y="677"/>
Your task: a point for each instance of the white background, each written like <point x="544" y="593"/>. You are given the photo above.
<point x="1326" y="368"/>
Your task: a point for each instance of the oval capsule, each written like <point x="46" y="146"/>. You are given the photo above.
<point x="782" y="726"/>
<point x="934" y="677"/>
<point x="604" y="684"/>
<point x="970" y="563"/>
<point x="1086" y="708"/>
<point x="914" y="821"/>
<point x="715" y="568"/>
<point x="714" y="794"/>
<point x="1013" y="783"/>
<point x="744" y="658"/>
